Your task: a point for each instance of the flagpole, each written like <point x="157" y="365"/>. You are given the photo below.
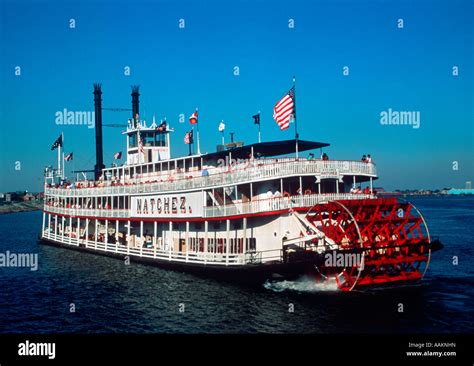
<point x="294" y="115"/>
<point x="259" y="139"/>
<point x="59" y="160"/>
<point x="191" y="142"/>
<point x="197" y="127"/>
<point x="61" y="168"/>
<point x="62" y="141"/>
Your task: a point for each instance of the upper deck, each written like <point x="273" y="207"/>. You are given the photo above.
<point x="161" y="177"/>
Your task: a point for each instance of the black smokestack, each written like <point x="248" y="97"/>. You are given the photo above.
<point x="135" y="103"/>
<point x="99" y="157"/>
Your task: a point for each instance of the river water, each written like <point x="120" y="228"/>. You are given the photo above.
<point x="108" y="296"/>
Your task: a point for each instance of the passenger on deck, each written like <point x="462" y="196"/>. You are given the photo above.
<point x="310" y="156"/>
<point x="364" y="158"/>
<point x="325" y="156"/>
<point x="369" y="158"/>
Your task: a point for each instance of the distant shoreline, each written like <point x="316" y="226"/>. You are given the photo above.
<point x="24" y="206"/>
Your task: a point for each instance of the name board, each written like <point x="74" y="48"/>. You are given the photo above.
<point x="173" y="205"/>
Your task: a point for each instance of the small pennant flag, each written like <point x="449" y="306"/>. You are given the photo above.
<point x="58" y="142"/>
<point x="118" y="155"/>
<point x="188" y="138"/>
<point x="194" y="118"/>
<point x="284" y="109"/>
<point x="221" y="126"/>
<point x="161" y="127"/>
<point x="256" y="119"/>
<point x="68" y="157"/>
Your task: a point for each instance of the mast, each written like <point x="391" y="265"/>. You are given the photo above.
<point x="59" y="157"/>
<point x="294" y="115"/>
<point x="198" y="144"/>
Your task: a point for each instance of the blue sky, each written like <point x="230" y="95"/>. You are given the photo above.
<point x="407" y="69"/>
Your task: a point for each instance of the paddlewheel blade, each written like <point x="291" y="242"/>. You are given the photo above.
<point x="370" y="242"/>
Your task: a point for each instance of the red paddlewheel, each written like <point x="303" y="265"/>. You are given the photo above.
<point x="370" y="242"/>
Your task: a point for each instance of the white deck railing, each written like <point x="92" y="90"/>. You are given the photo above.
<point x="239" y="208"/>
<point x="154" y="253"/>
<point x="277" y="204"/>
<point x="252" y="171"/>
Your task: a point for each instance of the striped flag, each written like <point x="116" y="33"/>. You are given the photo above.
<point x="284" y="109"/>
<point x="68" y="157"/>
<point x="194" y="118"/>
<point x="140" y="143"/>
<point x="188" y="138"/>
<point x="118" y="155"/>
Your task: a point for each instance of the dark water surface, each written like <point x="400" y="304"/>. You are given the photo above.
<point x="110" y="296"/>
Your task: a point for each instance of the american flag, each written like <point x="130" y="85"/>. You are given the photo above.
<point x="68" y="157"/>
<point x="118" y="155"/>
<point x="140" y="143"/>
<point x="188" y="138"/>
<point x="284" y="109"/>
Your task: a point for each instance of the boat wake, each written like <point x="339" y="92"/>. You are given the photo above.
<point x="302" y="284"/>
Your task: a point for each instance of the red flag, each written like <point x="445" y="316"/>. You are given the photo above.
<point x="194" y="118"/>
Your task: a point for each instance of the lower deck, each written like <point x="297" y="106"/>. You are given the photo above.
<point x="241" y="268"/>
<point x="228" y="242"/>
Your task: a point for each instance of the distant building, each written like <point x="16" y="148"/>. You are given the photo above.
<point x="460" y="191"/>
<point x="28" y="197"/>
<point x="15" y="196"/>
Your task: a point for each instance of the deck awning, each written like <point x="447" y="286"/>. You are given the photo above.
<point x="267" y="149"/>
